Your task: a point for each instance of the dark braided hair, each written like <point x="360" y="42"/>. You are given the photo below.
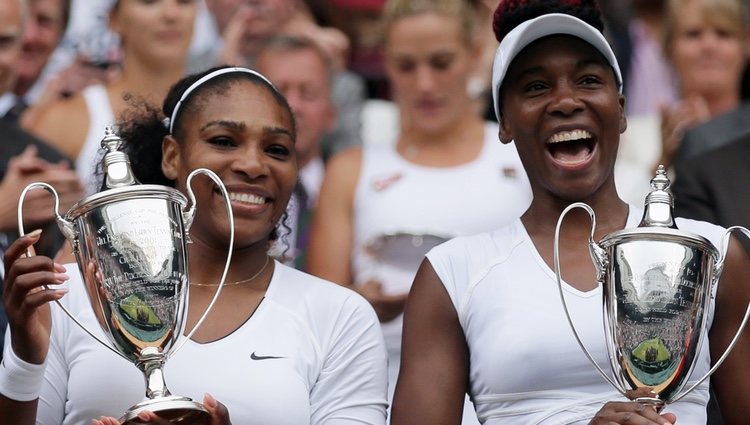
<point x="142" y="126"/>
<point x="511" y="13"/>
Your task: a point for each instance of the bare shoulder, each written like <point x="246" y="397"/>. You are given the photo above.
<point x="346" y="162"/>
<point x="63" y="124"/>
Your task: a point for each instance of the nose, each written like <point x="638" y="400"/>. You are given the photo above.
<point x="425" y="78"/>
<point x="31" y="30"/>
<point x="170" y="9"/>
<point x="565" y="99"/>
<point x="251" y="162"/>
<point x="709" y="41"/>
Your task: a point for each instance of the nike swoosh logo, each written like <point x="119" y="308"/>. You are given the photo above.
<point x="256" y="357"/>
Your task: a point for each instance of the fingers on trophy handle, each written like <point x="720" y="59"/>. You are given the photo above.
<point x="69" y="231"/>
<point x="66" y="227"/>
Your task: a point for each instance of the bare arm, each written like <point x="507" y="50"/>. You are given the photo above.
<point x="28" y="315"/>
<point x="332" y="232"/>
<point x="62" y="124"/>
<point x="731" y="381"/>
<point x="434" y="371"/>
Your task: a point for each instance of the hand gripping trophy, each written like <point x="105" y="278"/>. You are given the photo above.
<point x="130" y="245"/>
<point x="657" y="282"/>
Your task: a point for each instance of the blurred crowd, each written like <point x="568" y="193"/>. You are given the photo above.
<point x="356" y="79"/>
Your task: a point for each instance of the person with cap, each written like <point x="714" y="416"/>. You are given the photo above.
<point x="484" y="315"/>
<point x="371" y="229"/>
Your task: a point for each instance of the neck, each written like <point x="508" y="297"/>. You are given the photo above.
<point x="543" y="214"/>
<point x="720" y="102"/>
<point x="207" y="262"/>
<point x="148" y="80"/>
<point x="454" y="135"/>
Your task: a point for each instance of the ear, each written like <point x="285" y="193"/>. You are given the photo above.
<point x="505" y="135"/>
<point x="623" y="118"/>
<point x="170" y="157"/>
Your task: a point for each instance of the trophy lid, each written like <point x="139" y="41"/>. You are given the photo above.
<point x="119" y="181"/>
<point x="117" y="171"/>
<point x="658" y="223"/>
<point x="658" y="209"/>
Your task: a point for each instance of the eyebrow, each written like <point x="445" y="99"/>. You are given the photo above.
<point x="233" y="125"/>
<point x="277" y="130"/>
<point x="241" y="126"/>
<point x="579" y="65"/>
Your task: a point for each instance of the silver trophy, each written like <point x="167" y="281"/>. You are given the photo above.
<point x="657" y="282"/>
<point x="130" y="245"/>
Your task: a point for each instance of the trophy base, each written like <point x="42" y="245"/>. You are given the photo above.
<point x="175" y="409"/>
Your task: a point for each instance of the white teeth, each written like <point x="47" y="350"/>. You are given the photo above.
<point x="566" y="136"/>
<point x="247" y="198"/>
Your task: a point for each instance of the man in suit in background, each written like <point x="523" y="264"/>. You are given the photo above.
<point x="713" y="186"/>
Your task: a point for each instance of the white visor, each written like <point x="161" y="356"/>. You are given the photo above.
<point x="534" y="29"/>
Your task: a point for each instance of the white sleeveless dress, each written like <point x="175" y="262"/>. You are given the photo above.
<point x="402" y="209"/>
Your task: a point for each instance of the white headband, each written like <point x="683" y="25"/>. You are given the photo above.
<point x="169" y="122"/>
<point x="534" y="29"/>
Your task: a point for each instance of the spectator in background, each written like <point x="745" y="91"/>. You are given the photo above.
<point x="303" y="74"/>
<point x="45" y="26"/>
<point x="382" y="206"/>
<point x="155" y="38"/>
<point x="23" y="158"/>
<point x="648" y="76"/>
<point x="706" y="41"/>
<point x="711" y="187"/>
<point x="246" y="26"/>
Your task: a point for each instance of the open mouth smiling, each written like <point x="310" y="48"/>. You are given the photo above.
<point x="571" y="148"/>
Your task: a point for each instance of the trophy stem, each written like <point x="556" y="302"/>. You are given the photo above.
<point x="151" y="363"/>
<point x="653" y="402"/>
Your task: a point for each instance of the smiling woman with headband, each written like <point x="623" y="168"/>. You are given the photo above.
<point x="484" y="315"/>
<point x="279" y="347"/>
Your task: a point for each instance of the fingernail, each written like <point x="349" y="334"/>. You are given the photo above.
<point x="61" y="277"/>
<point x="209" y="401"/>
<point x="35" y="233"/>
<point x="61" y="291"/>
<point x="144" y="416"/>
<point x="59" y="268"/>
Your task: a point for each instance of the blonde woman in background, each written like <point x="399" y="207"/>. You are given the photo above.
<point x="382" y="206"/>
<point x="705" y="41"/>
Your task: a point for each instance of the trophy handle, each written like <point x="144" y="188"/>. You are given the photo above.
<point x="717" y="271"/>
<point x="68" y="230"/>
<point x="188" y="216"/>
<point x="600" y="261"/>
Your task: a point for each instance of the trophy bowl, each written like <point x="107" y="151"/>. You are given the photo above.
<point x="130" y="243"/>
<point x="657" y="283"/>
